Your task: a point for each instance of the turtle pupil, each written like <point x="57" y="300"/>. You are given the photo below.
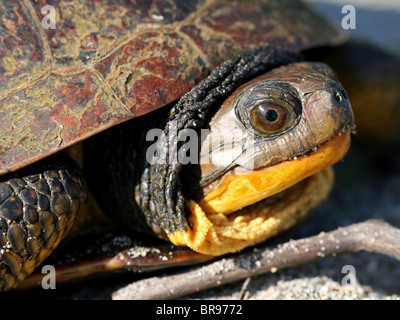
<point x="271" y="115"/>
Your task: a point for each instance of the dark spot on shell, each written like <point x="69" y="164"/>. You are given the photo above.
<point x="31" y="214"/>
<point x="13" y="262"/>
<point x="28" y="195"/>
<point x="51" y="239"/>
<point x="61" y="223"/>
<point x="75" y="206"/>
<point x="8" y="280"/>
<point x="42" y="186"/>
<point x="16" y="236"/>
<point x="3" y="239"/>
<point x="43" y="202"/>
<point x="65" y="174"/>
<point x="3" y="224"/>
<point x="33" y="246"/>
<point x="48" y="233"/>
<point x="11" y="209"/>
<point x="73" y="189"/>
<point x="5" y="192"/>
<point x="56" y="186"/>
<point x="17" y="183"/>
<point x="46" y="218"/>
<point x="35" y="230"/>
<point x="51" y="174"/>
<point x="60" y="204"/>
<point x="32" y="178"/>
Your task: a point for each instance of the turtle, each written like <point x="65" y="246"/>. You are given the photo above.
<point x="196" y="122"/>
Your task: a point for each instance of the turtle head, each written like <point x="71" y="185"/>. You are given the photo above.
<point x="272" y="139"/>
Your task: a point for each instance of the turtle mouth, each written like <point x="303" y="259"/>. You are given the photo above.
<point x="239" y="188"/>
<point x="246" y="209"/>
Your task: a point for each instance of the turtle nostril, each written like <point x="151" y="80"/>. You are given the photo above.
<point x="344" y="95"/>
<point x="338" y="97"/>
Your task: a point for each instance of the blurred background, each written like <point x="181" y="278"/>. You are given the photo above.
<point x="376" y="21"/>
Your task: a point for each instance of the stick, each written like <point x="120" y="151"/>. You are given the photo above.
<point x="242" y="293"/>
<point x="371" y="236"/>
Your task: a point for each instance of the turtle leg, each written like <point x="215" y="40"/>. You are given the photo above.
<point x="38" y="204"/>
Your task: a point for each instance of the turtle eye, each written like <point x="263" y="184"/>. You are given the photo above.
<point x="270" y="117"/>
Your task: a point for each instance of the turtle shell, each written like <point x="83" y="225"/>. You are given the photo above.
<point x="109" y="61"/>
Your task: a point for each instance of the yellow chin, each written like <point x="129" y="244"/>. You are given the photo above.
<point x="217" y="224"/>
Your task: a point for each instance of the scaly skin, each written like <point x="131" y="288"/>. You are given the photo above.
<point x="38" y="205"/>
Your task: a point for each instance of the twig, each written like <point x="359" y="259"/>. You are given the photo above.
<point x="371" y="236"/>
<point x="242" y="293"/>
